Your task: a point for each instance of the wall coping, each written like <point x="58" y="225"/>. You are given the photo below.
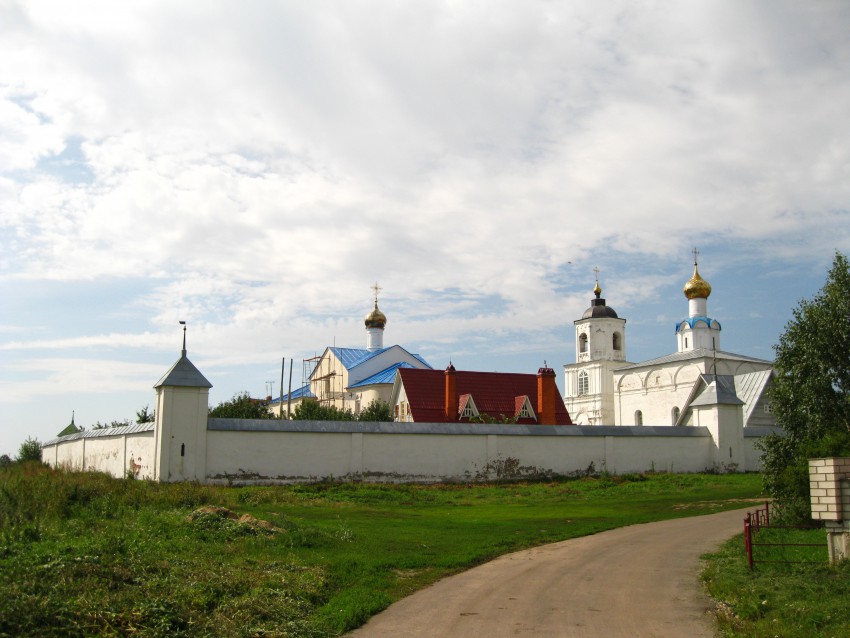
<point x="375" y="427"/>
<point x="94" y="434"/>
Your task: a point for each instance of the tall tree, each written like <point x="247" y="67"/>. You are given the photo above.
<point x="241" y="406"/>
<point x="810" y="394"/>
<point x="30" y="450"/>
<point x="145" y="415"/>
<point x="377" y="410"/>
<point x="314" y="411"/>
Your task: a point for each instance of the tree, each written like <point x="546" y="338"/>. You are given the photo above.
<point x="810" y="394"/>
<point x="241" y="406"/>
<point x="377" y="410"/>
<point x="313" y="411"/>
<point x="30" y="450"/>
<point x="111" y="424"/>
<point x="145" y="416"/>
<point x="5" y="461"/>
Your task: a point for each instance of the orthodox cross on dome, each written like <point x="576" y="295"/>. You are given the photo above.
<point x="695" y="251"/>
<point x="377" y="289"/>
<point x="596" y="289"/>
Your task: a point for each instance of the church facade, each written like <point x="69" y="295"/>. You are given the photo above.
<point x="351" y="378"/>
<point x="603" y="388"/>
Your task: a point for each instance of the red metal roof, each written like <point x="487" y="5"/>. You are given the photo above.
<point x="497" y="394"/>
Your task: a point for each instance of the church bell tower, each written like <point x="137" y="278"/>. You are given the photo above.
<point x="600" y="349"/>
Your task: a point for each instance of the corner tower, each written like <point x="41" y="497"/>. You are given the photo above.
<point x="698" y="331"/>
<point x="600" y="349"/>
<point x="182" y="408"/>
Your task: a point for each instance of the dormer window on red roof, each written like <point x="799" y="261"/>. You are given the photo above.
<point x="466" y="407"/>
<point x="523" y="408"/>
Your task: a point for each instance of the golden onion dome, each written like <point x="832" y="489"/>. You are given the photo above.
<point x="697" y="287"/>
<point x="597" y="290"/>
<point x="376" y="318"/>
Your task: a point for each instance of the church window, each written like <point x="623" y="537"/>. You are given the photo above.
<point x="583" y="383"/>
<point x="638" y="417"/>
<point x="686" y="342"/>
<point x="582" y="342"/>
<point x="674" y="415"/>
<point x="615" y="341"/>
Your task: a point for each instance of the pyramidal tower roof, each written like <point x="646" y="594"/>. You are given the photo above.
<point x="183" y="373"/>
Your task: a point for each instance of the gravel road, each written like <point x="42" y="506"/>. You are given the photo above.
<point x="639" y="581"/>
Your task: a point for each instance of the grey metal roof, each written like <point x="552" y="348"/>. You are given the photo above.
<point x="94" y="434"/>
<point x="693" y="354"/>
<point x="183" y="374"/>
<point x="719" y="390"/>
<point x="750" y="387"/>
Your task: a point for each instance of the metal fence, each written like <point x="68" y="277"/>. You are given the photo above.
<point x="773" y="541"/>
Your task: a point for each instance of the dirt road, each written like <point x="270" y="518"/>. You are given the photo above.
<point x="637" y="582"/>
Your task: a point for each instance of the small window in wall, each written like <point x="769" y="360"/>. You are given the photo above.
<point x="583" y="383"/>
<point x="674" y="415"/>
<point x="615" y="341"/>
<point x="638" y="417"/>
<point x="182" y="449"/>
<point x="686" y="342"/>
<point x="582" y="342"/>
<point x="768" y="409"/>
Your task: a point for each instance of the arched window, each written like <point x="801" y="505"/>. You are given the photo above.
<point x="638" y="417"/>
<point x="582" y="342"/>
<point x="615" y="341"/>
<point x="583" y="383"/>
<point x="674" y="414"/>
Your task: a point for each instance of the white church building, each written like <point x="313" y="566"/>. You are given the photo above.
<point x="603" y="388"/>
<point x="351" y="378"/>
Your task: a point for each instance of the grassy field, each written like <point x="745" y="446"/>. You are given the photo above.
<point x="84" y="554"/>
<point x="805" y="599"/>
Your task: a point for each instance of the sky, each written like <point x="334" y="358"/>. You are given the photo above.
<point x="253" y="168"/>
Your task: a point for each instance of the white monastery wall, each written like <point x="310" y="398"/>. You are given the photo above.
<point x="113" y="453"/>
<point x="243" y="451"/>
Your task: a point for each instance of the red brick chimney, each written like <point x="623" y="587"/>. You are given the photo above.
<point x="451" y="394"/>
<point x="547" y="391"/>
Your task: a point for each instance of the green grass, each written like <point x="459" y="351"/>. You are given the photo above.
<point x="83" y="554"/>
<point x="807" y="599"/>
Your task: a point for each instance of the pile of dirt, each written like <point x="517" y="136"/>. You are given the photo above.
<point x="223" y="513"/>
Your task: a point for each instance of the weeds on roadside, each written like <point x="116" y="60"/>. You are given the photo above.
<point x="806" y="599"/>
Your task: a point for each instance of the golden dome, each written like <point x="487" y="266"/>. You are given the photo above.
<point x="697" y="287"/>
<point x="376" y="318"/>
<point x="597" y="290"/>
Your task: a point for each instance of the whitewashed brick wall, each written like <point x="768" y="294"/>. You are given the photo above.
<point x="825" y="477"/>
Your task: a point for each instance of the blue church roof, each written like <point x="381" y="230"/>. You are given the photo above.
<point x="300" y="393"/>
<point x="384" y="376"/>
<point x="692" y="321"/>
<point x="353" y="357"/>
